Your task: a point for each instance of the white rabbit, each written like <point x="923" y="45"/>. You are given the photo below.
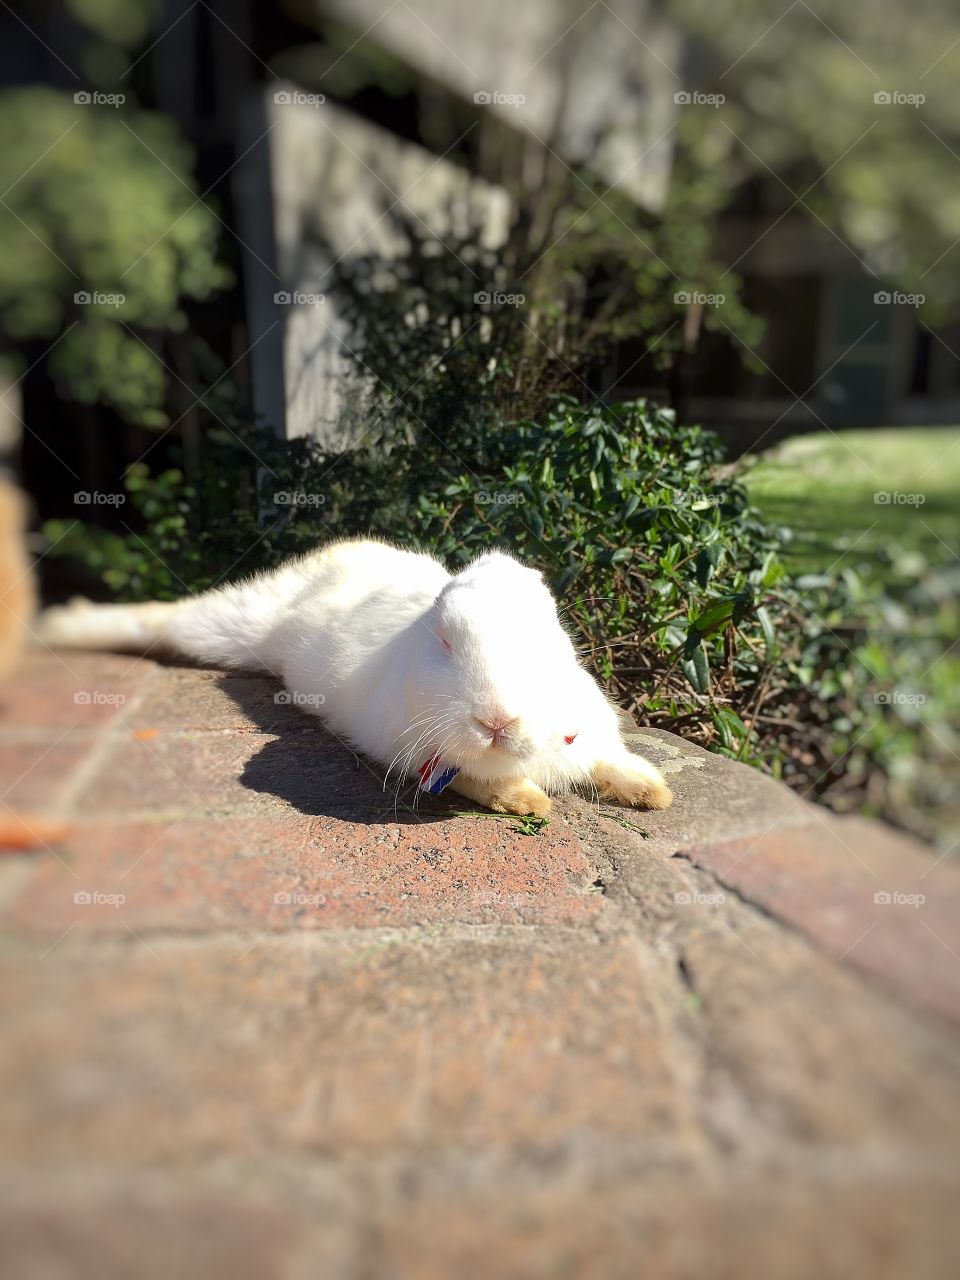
<point x="466" y="680"/>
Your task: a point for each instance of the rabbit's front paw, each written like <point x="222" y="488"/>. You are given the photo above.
<point x="631" y="780"/>
<point x="520" y="797"/>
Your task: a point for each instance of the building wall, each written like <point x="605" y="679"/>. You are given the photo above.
<point x="594" y="82"/>
<point x="327" y="197"/>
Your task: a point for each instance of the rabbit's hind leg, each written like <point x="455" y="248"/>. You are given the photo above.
<point x="631" y="780"/>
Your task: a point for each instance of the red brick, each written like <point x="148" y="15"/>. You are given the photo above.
<point x="199" y="1238"/>
<point x="214" y="873"/>
<point x="33" y="775"/>
<point x="780" y="1227"/>
<point x="44" y="690"/>
<point x="184" y="698"/>
<point x="163" y="771"/>
<point x="166" y="772"/>
<point x="824" y="879"/>
<point x="120" y="1056"/>
<point x="800" y="1050"/>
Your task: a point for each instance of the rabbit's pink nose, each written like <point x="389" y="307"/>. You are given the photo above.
<point x="496" y="725"/>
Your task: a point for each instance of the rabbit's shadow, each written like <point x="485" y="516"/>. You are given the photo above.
<point x="313" y="770"/>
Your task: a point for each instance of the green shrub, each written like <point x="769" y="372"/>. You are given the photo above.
<point x="672" y="585"/>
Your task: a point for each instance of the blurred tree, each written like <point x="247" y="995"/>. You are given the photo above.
<point x="599" y="269"/>
<point x="112" y="28"/>
<point x="853" y="109"/>
<point x="101" y="231"/>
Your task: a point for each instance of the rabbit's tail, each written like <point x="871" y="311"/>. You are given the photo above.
<point x="124" y="628"/>
<point x="228" y="627"/>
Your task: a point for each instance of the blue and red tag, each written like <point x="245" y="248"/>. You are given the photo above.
<point x="434" y="776"/>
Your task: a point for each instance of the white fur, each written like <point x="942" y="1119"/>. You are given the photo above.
<point x="357" y="631"/>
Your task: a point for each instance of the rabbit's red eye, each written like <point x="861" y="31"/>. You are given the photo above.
<point x="570" y="737"/>
<point x="447" y="646"/>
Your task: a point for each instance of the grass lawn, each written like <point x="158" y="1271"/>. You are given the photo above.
<point x="825" y="487"/>
<point x="905" y="550"/>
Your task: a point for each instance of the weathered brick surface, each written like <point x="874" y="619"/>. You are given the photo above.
<point x="830" y="1230"/>
<point x="45" y="690"/>
<point x="305" y="873"/>
<point x="321" y="1035"/>
<point x="208" y="1238"/>
<point x="135" y="1054"/>
<point x="37" y="774"/>
<point x="151" y="770"/>
<point x="797" y="1048"/>
<point x="789" y="1227"/>
<point x="190" y="699"/>
<point x="714" y="798"/>
<point x="147" y="771"/>
<point x="870" y="896"/>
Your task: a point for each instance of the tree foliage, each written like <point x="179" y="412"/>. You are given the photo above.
<point x="854" y="109"/>
<point x="103" y="235"/>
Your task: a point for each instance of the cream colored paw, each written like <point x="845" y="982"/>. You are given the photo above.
<point x="634" y="782"/>
<point x="520" y="797"/>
